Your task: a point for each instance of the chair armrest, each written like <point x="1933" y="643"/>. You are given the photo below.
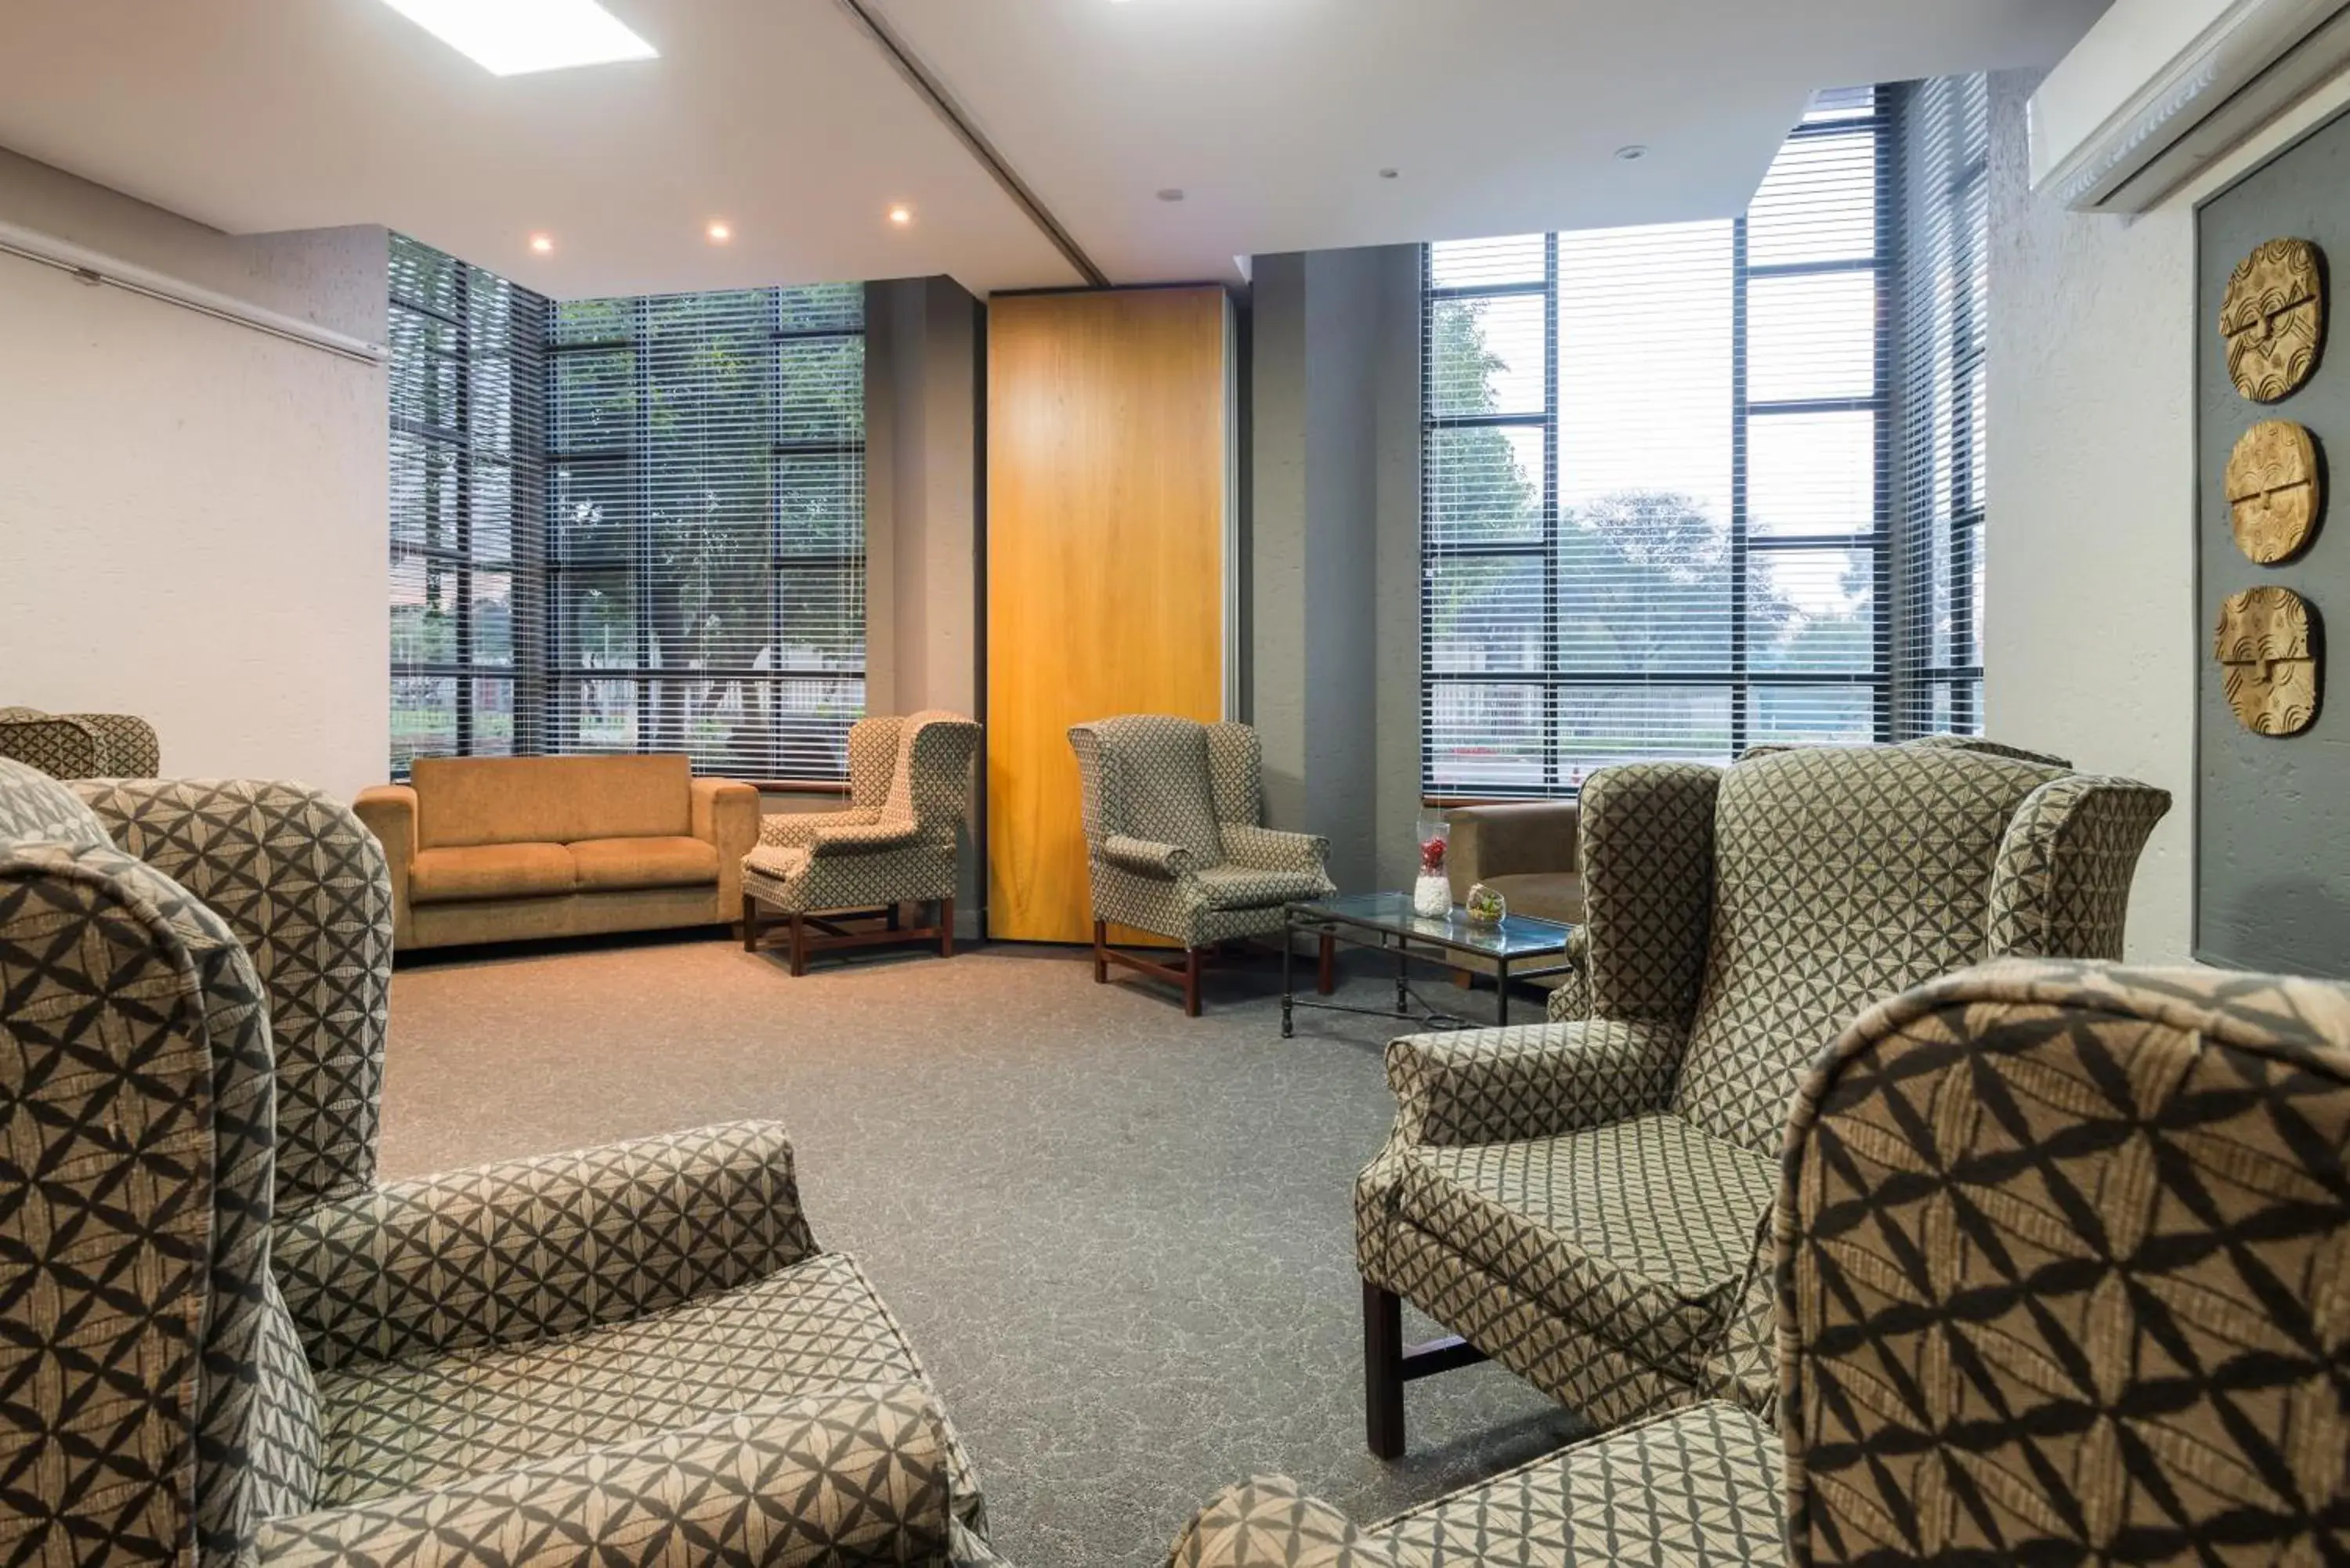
<point x="1492" y="1086"/>
<point x="56" y="744"/>
<point x="497" y="1256"/>
<point x="1149" y="858"/>
<point x="801" y="829"/>
<point x="854" y="1477"/>
<point x="1517" y="840"/>
<point x="1267" y="849"/>
<point x="726" y="817"/>
<point x="304" y="884"/>
<point x="1269" y="1522"/>
<point x="864" y="838"/>
<point x="389" y="813"/>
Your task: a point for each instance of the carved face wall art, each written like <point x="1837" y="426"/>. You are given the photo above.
<point x="2273" y="318"/>
<point x="2273" y="490"/>
<point x="2265" y="645"/>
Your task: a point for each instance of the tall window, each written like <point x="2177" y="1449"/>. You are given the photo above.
<point x="467" y="502"/>
<point x="706" y="558"/>
<point x="626" y="525"/>
<point x="1660" y="493"/>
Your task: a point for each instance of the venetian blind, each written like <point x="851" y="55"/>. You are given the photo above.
<point x="1655" y="489"/>
<point x="467" y="403"/>
<point x="1945" y="131"/>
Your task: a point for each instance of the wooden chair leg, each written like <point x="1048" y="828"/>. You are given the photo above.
<point x="799" y="943"/>
<point x="1326" y="970"/>
<point x="893" y="914"/>
<point x="750" y="923"/>
<point x="1382" y="1371"/>
<point x="1101" y="958"/>
<point x="946" y="928"/>
<point x="1192" y="983"/>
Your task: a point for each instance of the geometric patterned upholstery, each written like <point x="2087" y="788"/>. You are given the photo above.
<point x="2061" y="1252"/>
<point x="81" y="746"/>
<point x="634" y="1354"/>
<point x="909" y="793"/>
<point x="1173" y="811"/>
<point x="301" y="882"/>
<point x="1737" y="919"/>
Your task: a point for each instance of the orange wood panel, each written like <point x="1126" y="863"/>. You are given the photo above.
<point x="1107" y="484"/>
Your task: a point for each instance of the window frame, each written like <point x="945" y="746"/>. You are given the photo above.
<point x="1739" y="680"/>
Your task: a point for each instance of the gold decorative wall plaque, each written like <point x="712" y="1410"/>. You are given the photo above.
<point x="2273" y="318"/>
<point x="2265" y="645"/>
<point x="2273" y="492"/>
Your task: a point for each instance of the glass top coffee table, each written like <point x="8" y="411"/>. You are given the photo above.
<point x="1517" y="946"/>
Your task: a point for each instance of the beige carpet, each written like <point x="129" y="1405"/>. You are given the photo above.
<point x="1121" y="1240"/>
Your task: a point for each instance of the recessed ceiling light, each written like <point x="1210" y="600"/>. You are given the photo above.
<point x="514" y="38"/>
<point x="901" y="215"/>
<point x="720" y="231"/>
<point x="1632" y="152"/>
<point x="1390" y="173"/>
<point x="542" y="243"/>
<point x="1170" y="194"/>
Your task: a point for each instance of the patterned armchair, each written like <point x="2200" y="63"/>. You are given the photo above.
<point x="1176" y="843"/>
<point x="2061" y="1251"/>
<point x="910" y="794"/>
<point x="234" y="1346"/>
<point x="81" y="746"/>
<point x="1587" y="1202"/>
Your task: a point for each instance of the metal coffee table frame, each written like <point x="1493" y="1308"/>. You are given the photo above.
<point x="1384" y="922"/>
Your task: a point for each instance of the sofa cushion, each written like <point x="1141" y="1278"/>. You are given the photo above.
<point x="1640" y="1232"/>
<point x="1545" y="894"/>
<point x="610" y="865"/>
<point x="550" y="800"/>
<point x="490" y="872"/>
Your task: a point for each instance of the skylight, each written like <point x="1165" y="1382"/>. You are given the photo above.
<point x="513" y="37"/>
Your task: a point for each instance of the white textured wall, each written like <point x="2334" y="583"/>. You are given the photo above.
<point x="2090" y="639"/>
<point x="193" y="513"/>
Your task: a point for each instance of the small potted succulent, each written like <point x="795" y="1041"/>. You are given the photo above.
<point x="1486" y="907"/>
<point x="1431" y="895"/>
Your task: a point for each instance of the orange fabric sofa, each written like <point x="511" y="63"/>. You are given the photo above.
<point x="495" y="849"/>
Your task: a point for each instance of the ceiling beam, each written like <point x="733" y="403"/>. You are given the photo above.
<point x="934" y="92"/>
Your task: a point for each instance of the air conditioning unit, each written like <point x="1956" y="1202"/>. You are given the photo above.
<point x="2160" y="88"/>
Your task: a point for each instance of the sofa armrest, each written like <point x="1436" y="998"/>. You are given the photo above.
<point x="1268" y="849"/>
<point x="305" y="886"/>
<point x="1494" y="1086"/>
<point x="499" y="1254"/>
<point x="854" y="1477"/>
<point x="389" y="813"/>
<point x="726" y="817"/>
<point x="1150" y="859"/>
<point x="1516" y="839"/>
<point x="1270" y="1522"/>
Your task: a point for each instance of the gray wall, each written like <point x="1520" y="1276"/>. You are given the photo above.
<point x="1333" y="551"/>
<point x="2273" y="814"/>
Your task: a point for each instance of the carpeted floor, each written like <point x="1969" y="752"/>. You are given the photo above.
<point x="1121" y="1240"/>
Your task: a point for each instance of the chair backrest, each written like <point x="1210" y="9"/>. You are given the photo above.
<point x="2065" y="1264"/>
<point x="81" y="746"/>
<point x="303" y="885"/>
<point x="931" y="783"/>
<point x="466" y="801"/>
<point x="1845" y="873"/>
<point x="1147" y="777"/>
<point x="158" y="1383"/>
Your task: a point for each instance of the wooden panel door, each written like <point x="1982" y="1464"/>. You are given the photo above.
<point x="1108" y="488"/>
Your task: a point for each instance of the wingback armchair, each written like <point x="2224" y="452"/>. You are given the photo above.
<point x="238" y="1347"/>
<point x="1587" y="1202"/>
<point x="909" y="794"/>
<point x="1175" y="844"/>
<point x="81" y="746"/>
<point x="2059" y="1252"/>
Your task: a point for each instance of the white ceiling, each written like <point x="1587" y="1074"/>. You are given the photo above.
<point x="782" y="117"/>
